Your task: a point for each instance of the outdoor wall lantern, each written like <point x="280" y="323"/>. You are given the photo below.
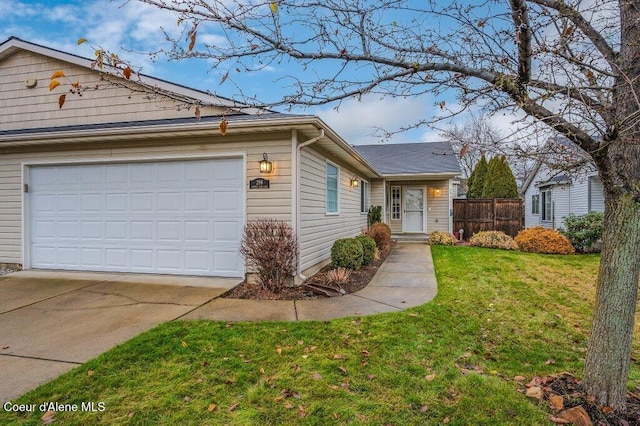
<point x="266" y="166"/>
<point x="436" y="191"/>
<point x="355" y="182"/>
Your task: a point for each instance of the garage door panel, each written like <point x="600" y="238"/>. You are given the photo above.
<point x="181" y="217"/>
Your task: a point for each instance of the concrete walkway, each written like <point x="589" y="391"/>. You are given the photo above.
<point x="405" y="279"/>
<point x="53" y="321"/>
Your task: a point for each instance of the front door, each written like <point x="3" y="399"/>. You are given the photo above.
<point x="413" y="200"/>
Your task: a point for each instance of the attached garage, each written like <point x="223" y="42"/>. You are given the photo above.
<point x="169" y="217"/>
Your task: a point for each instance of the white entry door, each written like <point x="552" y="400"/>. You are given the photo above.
<point x="169" y="217"/>
<point x="413" y="200"/>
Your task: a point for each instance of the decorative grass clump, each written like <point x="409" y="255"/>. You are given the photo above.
<point x="493" y="239"/>
<point x="439" y="238"/>
<point x="544" y="241"/>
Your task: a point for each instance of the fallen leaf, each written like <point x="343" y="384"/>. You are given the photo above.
<point x="230" y="323"/>
<point x="337" y="356"/>
<point x="607" y="410"/>
<point x="233" y="407"/>
<point x="131" y="414"/>
<point x="371" y="376"/>
<point x="223" y="128"/>
<point x="288" y="406"/>
<point x="301" y="412"/>
<point x="317" y="376"/>
<point x="519" y="378"/>
<point x="556" y="402"/>
<point x="211" y="407"/>
<point x="550" y="361"/>
<point x="558" y="420"/>
<point x="344" y="370"/>
<point x="365" y="352"/>
<point x="61" y="100"/>
<point x="413" y="315"/>
<point x="361" y="416"/>
<point x="90" y="373"/>
<point x="576" y="415"/>
<point x="534" y="392"/>
<point x="300" y="342"/>
<point x="424" y="408"/>
<point x="53" y="84"/>
<point x="6" y="347"/>
<point x="57" y="74"/>
<point x="279" y="350"/>
<point x="187" y="399"/>
<point x="446" y="420"/>
<point x="48" y="417"/>
<point x="335" y="415"/>
<point x="296" y="368"/>
<point x="430" y="377"/>
<point x="184" y="344"/>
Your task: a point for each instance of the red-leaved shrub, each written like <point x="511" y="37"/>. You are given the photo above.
<point x="381" y="234"/>
<point x="270" y="248"/>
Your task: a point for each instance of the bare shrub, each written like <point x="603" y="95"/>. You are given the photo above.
<point x="493" y="239"/>
<point x="270" y="248"/>
<point x="338" y="275"/>
<point x="381" y="234"/>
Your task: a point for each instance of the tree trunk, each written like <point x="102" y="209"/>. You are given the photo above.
<point x="609" y="351"/>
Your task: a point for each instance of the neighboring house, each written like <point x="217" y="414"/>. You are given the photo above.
<point x="551" y="195"/>
<point x="125" y="178"/>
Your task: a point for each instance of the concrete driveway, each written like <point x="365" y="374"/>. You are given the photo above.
<point x="51" y="322"/>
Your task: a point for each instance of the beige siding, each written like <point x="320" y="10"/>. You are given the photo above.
<point x="37" y="107"/>
<point x="377" y="193"/>
<point x="318" y="230"/>
<point x="438" y="206"/>
<point x="273" y="202"/>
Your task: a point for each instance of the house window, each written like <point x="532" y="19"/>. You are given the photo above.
<point x="332" y="188"/>
<point x="364" y="196"/>
<point x="547" y="206"/>
<point x="535" y="204"/>
<point x="395" y="202"/>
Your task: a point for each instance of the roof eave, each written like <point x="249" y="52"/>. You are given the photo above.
<point x="417" y="176"/>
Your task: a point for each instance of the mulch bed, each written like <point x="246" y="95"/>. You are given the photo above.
<point x="568" y="401"/>
<point x="357" y="281"/>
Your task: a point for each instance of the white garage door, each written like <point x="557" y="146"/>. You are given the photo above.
<point x="168" y="217"/>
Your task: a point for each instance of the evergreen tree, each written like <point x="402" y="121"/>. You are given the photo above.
<point x="476" y="180"/>
<point x="499" y="181"/>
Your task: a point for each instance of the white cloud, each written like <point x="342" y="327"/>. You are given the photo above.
<point x="356" y="121"/>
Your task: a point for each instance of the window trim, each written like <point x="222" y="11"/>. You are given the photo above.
<point x="399" y="212"/>
<point x="546" y="216"/>
<point x="326" y="189"/>
<point x="535" y="204"/>
<point x="364" y="196"/>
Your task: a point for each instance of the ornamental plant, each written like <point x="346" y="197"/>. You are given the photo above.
<point x="543" y="240"/>
<point x="381" y="234"/>
<point x="439" y="238"/>
<point x="493" y="239"/>
<point x="368" y="249"/>
<point x="270" y="248"/>
<point x="346" y="253"/>
<point x="583" y="231"/>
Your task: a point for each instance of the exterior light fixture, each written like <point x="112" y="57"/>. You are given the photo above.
<point x="436" y="191"/>
<point x="355" y="182"/>
<point x="266" y="166"/>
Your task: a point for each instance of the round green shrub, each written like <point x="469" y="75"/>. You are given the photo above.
<point x="439" y="238"/>
<point x="368" y="248"/>
<point x="493" y="239"/>
<point x="346" y="253"/>
<point x="583" y="231"/>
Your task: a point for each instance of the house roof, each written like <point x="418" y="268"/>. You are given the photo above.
<point x="412" y="158"/>
<point x="13" y="45"/>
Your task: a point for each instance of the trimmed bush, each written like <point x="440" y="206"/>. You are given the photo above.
<point x="584" y="231"/>
<point x="346" y="253"/>
<point x="368" y="249"/>
<point x="493" y="239"/>
<point x="439" y="238"/>
<point x="543" y="240"/>
<point x="269" y="246"/>
<point x="374" y="215"/>
<point x="381" y="234"/>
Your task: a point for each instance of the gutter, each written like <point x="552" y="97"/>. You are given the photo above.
<point x="296" y="205"/>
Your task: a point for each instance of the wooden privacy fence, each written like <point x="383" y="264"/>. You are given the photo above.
<point x="487" y="214"/>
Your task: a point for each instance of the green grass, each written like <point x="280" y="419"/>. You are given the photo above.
<point x="500" y="313"/>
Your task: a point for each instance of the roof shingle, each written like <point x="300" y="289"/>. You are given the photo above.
<point x="411" y="158"/>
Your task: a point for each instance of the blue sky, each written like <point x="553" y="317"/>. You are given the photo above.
<point x="129" y="26"/>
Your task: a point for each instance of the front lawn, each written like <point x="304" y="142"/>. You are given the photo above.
<point x="497" y="315"/>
